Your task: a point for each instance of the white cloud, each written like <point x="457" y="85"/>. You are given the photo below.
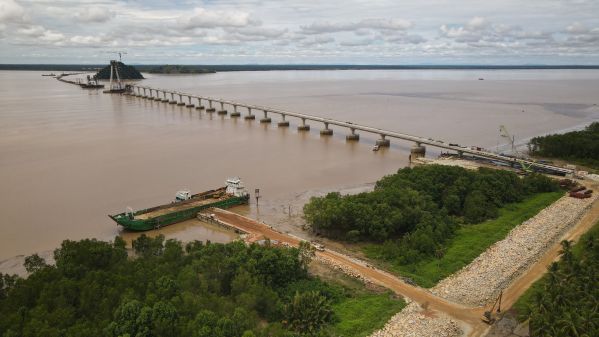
<point x="94" y="15"/>
<point x="11" y="12"/>
<point x="203" y="18"/>
<point x="322" y="27"/>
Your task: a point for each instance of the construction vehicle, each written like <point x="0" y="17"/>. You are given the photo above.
<point x="490" y="316"/>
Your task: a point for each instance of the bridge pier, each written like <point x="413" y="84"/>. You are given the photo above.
<point x="210" y="107"/>
<point x="250" y="116"/>
<point x="235" y="113"/>
<point x="181" y="103"/>
<point x="200" y="106"/>
<point x="417" y="151"/>
<point x="304" y="126"/>
<point x="283" y="123"/>
<point x="326" y="131"/>
<point x="383" y="142"/>
<point x="190" y="105"/>
<point x="145" y="96"/>
<point x="172" y="101"/>
<point x="165" y="100"/>
<point x="222" y="110"/>
<point x="353" y="137"/>
<point x="266" y="119"/>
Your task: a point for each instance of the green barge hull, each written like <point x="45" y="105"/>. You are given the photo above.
<point x="168" y="214"/>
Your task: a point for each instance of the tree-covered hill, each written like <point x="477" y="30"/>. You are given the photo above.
<point x="125" y="72"/>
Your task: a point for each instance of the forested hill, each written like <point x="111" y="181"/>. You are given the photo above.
<point x="125" y="72"/>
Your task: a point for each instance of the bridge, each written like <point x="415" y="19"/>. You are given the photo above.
<point x="189" y="100"/>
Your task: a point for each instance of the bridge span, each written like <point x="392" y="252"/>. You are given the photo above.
<point x="189" y="100"/>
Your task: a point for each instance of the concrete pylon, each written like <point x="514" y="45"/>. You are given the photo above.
<point x="326" y="131"/>
<point x="266" y="119"/>
<point x="235" y="113"/>
<point x="250" y="116"/>
<point x="222" y="110"/>
<point x="304" y="126"/>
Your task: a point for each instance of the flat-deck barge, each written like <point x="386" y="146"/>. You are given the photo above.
<point x="185" y="207"/>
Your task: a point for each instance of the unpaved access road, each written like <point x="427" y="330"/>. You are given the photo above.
<point x="469" y="317"/>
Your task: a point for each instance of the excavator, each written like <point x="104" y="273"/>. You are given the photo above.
<point x="490" y="316"/>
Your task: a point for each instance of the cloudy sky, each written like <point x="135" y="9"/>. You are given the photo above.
<point x="294" y="31"/>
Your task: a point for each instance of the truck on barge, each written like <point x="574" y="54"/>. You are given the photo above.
<point x="185" y="207"/>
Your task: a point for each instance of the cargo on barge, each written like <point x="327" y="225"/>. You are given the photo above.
<point x="185" y="207"/>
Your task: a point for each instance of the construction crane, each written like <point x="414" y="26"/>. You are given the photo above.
<point x="489" y="316"/>
<point x="121" y="53"/>
<point x="511" y="139"/>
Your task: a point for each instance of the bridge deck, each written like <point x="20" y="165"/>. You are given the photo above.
<point x="369" y="129"/>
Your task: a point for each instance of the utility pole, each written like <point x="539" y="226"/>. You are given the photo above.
<point x="257" y="195"/>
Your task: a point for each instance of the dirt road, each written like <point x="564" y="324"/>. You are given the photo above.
<point x="468" y="316"/>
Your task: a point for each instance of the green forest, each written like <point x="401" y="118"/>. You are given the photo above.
<point x="179" y="69"/>
<point x="412" y="214"/>
<point x="577" y="146"/>
<point x="167" y="289"/>
<point x="564" y="302"/>
<point x="125" y="72"/>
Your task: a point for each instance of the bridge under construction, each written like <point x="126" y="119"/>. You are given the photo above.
<point x="384" y="136"/>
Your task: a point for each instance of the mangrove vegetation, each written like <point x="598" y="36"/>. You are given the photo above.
<point x="413" y="216"/>
<point x="167" y="289"/>
<point x="577" y="146"/>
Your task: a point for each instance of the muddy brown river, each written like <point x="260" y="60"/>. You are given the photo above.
<point x="69" y="157"/>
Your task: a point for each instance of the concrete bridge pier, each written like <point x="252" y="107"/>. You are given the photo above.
<point x="235" y="113"/>
<point x="417" y="151"/>
<point x="326" y="131"/>
<point x="353" y="136"/>
<point x="155" y="98"/>
<point x="165" y="100"/>
<point x="383" y="142"/>
<point x="200" y="106"/>
<point x="172" y="101"/>
<point x="190" y="105"/>
<point x="266" y="119"/>
<point x="304" y="126"/>
<point x="145" y="95"/>
<point x="222" y="110"/>
<point x="210" y="107"/>
<point x="283" y="123"/>
<point x="181" y="103"/>
<point x="250" y="116"/>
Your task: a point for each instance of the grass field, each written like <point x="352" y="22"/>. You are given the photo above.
<point x="522" y="306"/>
<point x="470" y="241"/>
<point x="361" y="315"/>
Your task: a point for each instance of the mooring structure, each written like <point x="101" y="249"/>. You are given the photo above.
<point x="384" y="136"/>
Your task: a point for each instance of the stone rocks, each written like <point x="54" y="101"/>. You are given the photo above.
<point x="481" y="281"/>
<point x="413" y="321"/>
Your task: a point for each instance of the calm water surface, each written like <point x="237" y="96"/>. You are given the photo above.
<point x="69" y="157"/>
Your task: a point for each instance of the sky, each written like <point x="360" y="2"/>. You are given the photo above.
<point x="412" y="32"/>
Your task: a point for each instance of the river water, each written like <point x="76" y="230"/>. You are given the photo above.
<point x="69" y="157"/>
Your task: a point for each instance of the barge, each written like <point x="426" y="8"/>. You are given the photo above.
<point x="186" y="206"/>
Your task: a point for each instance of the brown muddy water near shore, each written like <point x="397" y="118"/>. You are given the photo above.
<point x="69" y="157"/>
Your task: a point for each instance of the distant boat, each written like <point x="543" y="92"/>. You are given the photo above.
<point x="50" y="74"/>
<point x="481" y="79"/>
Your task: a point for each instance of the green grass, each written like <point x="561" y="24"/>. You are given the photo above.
<point x="361" y="315"/>
<point x="522" y="306"/>
<point x="470" y="241"/>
